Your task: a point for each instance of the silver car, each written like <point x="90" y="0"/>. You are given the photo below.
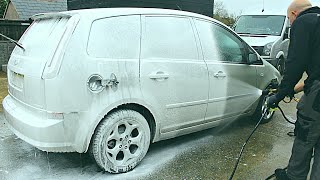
<point x="111" y="81"/>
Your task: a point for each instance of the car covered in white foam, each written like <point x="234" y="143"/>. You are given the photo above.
<point x="112" y="81"/>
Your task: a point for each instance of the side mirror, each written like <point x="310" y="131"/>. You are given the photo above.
<point x="254" y="59"/>
<point x="287" y="33"/>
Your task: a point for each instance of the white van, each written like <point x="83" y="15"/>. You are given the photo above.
<point x="110" y="81"/>
<point x="268" y="35"/>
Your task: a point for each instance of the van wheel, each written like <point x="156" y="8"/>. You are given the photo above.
<point x="260" y="109"/>
<point x="120" y="141"/>
<point x="281" y="66"/>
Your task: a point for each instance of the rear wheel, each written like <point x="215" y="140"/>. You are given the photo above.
<point x="262" y="106"/>
<point x="121" y="141"/>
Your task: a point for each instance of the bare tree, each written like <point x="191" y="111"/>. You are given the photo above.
<point x="221" y="14"/>
<point x="3" y="6"/>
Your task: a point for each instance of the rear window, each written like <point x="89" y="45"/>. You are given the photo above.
<point x="169" y="38"/>
<point x="115" y="38"/>
<point x="42" y="38"/>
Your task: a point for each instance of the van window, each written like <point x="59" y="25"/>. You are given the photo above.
<point x="115" y="37"/>
<point x="260" y="25"/>
<point x="168" y="38"/>
<point x="218" y="44"/>
<point x="42" y="38"/>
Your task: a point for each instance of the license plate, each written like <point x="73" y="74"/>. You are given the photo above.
<point x="17" y="80"/>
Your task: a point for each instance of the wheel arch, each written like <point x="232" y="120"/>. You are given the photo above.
<point x="142" y="109"/>
<point x="145" y="112"/>
<point x="267" y="86"/>
<point x="280" y="54"/>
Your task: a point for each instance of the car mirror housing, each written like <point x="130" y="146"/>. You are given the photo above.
<point x="254" y="59"/>
<point x="287" y="33"/>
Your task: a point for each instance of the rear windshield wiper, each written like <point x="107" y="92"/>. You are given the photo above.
<point x="265" y="34"/>
<point x="244" y="33"/>
<point x="13" y="41"/>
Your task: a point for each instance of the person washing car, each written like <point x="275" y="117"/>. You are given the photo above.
<point x="304" y="56"/>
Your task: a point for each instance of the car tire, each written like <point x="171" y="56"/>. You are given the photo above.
<point x="120" y="141"/>
<point x="281" y="66"/>
<point x="262" y="105"/>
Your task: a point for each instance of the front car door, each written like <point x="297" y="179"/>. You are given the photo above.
<point x="233" y="81"/>
<point x="174" y="78"/>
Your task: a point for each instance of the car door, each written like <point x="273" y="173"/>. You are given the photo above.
<point x="232" y="87"/>
<point x="174" y="79"/>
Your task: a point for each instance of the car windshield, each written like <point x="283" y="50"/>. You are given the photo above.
<point x="260" y="25"/>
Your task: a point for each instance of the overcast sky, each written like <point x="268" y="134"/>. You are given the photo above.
<point x="254" y="6"/>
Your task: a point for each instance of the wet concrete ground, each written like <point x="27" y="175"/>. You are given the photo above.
<point x="210" y="154"/>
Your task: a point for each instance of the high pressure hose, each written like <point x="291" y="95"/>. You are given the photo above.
<point x="255" y="128"/>
<point x="243" y="146"/>
<point x="284" y="116"/>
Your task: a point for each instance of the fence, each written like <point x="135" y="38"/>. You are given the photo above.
<point x="204" y="7"/>
<point x="13" y="29"/>
<point x="6" y="48"/>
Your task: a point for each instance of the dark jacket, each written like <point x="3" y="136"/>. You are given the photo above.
<point x="304" y="52"/>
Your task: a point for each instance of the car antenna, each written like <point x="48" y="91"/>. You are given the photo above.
<point x="13" y="41"/>
<point x="263" y="6"/>
<point x="179" y="7"/>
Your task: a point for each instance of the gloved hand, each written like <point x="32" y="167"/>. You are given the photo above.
<point x="273" y="101"/>
<point x="291" y="94"/>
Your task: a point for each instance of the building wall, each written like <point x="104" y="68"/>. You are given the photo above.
<point x="11" y="13"/>
<point x="204" y="7"/>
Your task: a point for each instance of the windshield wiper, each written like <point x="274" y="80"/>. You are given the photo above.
<point x="264" y="34"/>
<point x="13" y="41"/>
<point x="243" y="33"/>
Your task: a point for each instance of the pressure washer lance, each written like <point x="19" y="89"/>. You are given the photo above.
<point x="264" y="93"/>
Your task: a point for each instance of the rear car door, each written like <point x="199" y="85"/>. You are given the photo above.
<point x="232" y="81"/>
<point x="174" y="79"/>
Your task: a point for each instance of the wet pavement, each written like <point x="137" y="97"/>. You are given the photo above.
<point x="209" y="154"/>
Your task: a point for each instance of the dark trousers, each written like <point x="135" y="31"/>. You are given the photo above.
<point x="307" y="140"/>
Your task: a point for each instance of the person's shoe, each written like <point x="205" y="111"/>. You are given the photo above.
<point x="281" y="174"/>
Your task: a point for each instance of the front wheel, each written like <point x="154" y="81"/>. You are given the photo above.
<point x="281" y="66"/>
<point x="121" y="141"/>
<point x="262" y="106"/>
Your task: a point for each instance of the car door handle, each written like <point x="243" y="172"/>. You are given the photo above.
<point x="158" y="75"/>
<point x="219" y="74"/>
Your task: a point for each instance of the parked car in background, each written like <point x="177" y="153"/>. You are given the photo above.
<point x="112" y="81"/>
<point x="268" y="35"/>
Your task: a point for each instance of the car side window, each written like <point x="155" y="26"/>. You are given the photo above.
<point x="168" y="37"/>
<point x="115" y="38"/>
<point x="218" y="44"/>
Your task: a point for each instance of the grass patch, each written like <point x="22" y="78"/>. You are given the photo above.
<point x="3" y="75"/>
<point x="3" y="87"/>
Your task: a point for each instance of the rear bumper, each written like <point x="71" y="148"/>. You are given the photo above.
<point x="35" y="128"/>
